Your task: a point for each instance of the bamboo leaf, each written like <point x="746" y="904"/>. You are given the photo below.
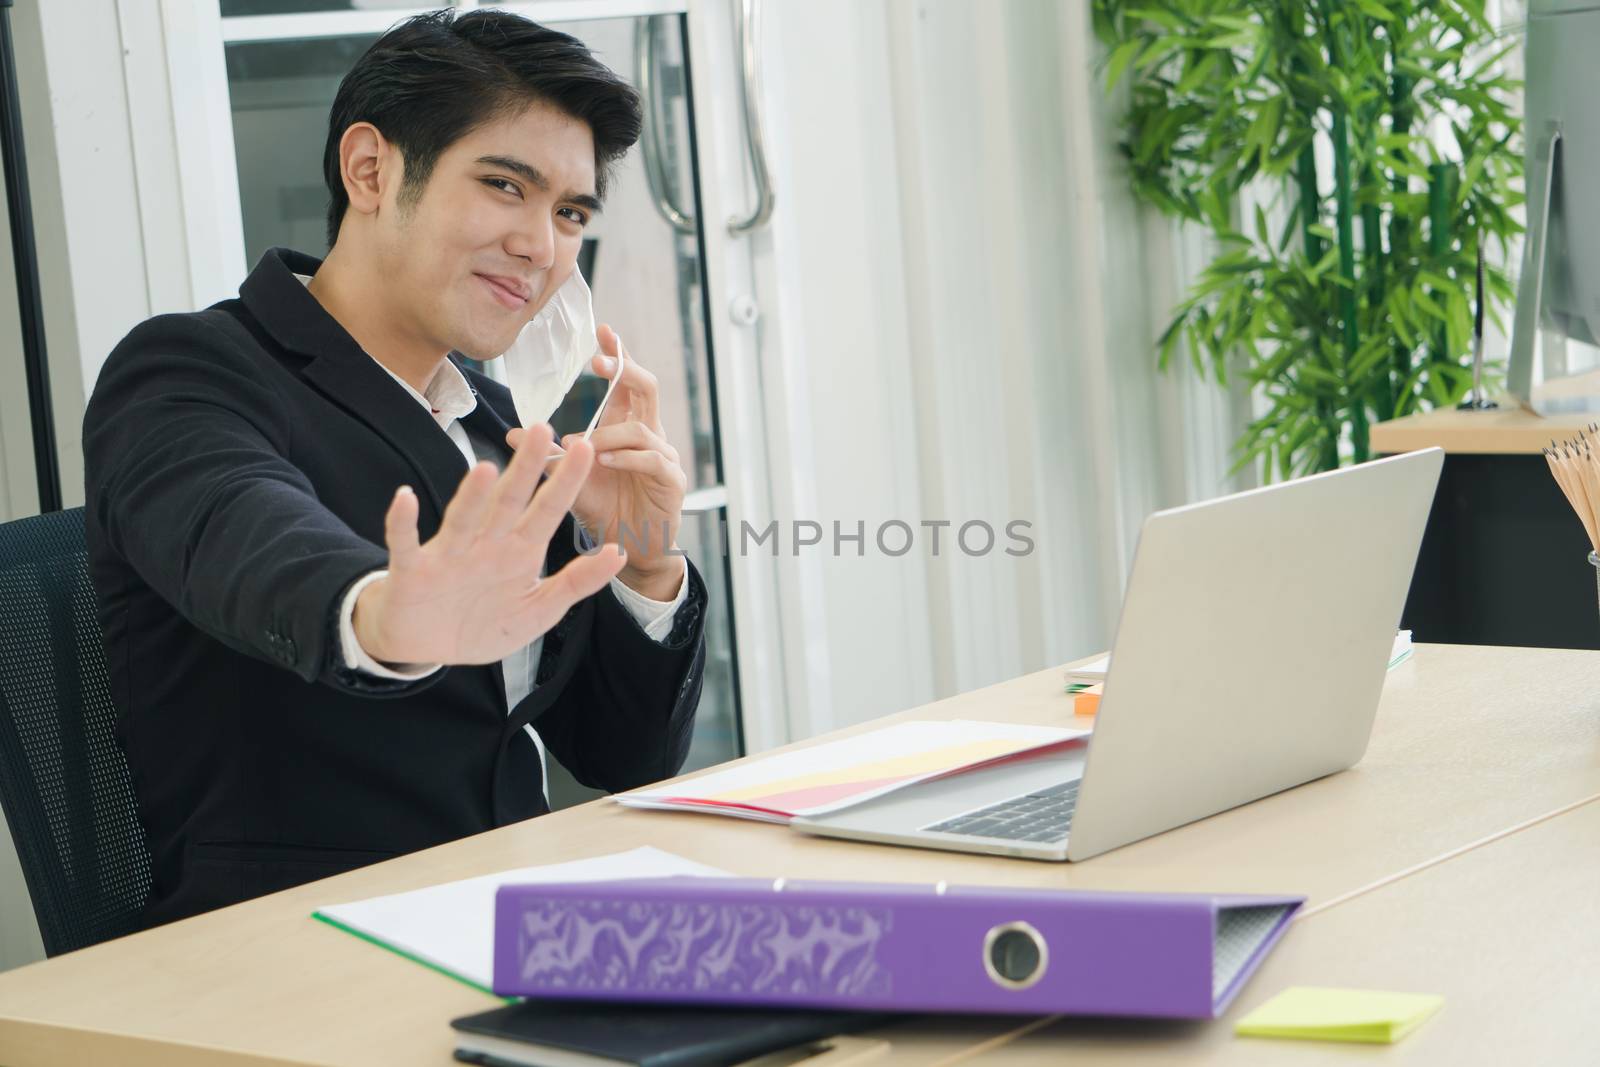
<point x="1399" y="318"/>
<point x="1230" y="22"/>
<point x="1199" y="72"/>
<point x="1428" y="304"/>
<point x="1458" y="322"/>
<point x="1160" y="16"/>
<point x="1159" y="48"/>
<point x="1228" y="41"/>
<point x="1119" y="62"/>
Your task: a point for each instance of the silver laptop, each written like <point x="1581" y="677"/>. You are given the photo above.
<point x="1255" y="634"/>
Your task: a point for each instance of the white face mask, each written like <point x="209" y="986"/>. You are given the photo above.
<point x="551" y="351"/>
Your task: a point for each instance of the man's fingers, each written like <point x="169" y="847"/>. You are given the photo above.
<point x="518" y="436"/>
<point x="641" y="461"/>
<point x="515" y="488"/>
<point x="630" y="434"/>
<point x="467" y="510"/>
<point x="645" y="389"/>
<point x="400" y="529"/>
<point x="583" y="576"/>
<point x="554" y="498"/>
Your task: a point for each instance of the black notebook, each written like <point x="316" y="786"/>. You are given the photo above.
<point x="582" y="1034"/>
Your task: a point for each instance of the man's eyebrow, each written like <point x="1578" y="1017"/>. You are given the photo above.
<point x="533" y="176"/>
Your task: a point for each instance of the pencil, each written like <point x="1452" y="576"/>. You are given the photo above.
<point x="1575" y="465"/>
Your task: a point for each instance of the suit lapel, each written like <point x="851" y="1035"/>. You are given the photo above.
<point x="365" y="390"/>
<point x="352" y="379"/>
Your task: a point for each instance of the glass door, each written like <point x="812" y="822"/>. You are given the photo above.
<point x="644" y="256"/>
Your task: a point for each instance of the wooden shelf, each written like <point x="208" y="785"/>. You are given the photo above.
<point x="1504" y="430"/>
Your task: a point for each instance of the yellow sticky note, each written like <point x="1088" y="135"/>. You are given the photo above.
<point x="1317" y="1014"/>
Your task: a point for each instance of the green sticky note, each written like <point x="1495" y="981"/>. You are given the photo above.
<point x="1317" y="1014"/>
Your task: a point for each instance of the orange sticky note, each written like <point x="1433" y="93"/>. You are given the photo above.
<point x="1087" y="701"/>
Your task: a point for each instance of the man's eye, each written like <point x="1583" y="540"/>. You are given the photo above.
<point x="581" y="218"/>
<point x="503" y="185"/>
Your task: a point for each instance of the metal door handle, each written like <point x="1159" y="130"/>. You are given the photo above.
<point x="750" y="62"/>
<point x="644" y="61"/>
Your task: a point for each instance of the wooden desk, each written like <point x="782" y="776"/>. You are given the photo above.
<point x="1471" y="745"/>
<point x="1509" y="935"/>
<point x="1503" y="559"/>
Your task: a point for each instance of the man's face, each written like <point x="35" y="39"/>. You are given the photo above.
<point x="494" y="233"/>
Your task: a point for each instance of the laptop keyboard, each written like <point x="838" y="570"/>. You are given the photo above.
<point x="1042" y="816"/>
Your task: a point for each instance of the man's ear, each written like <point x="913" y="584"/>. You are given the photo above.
<point x="369" y="164"/>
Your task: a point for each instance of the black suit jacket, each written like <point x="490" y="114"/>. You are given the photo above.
<point x="239" y="464"/>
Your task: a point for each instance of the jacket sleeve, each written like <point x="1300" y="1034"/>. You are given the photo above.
<point x="186" y="440"/>
<point x="625" y="717"/>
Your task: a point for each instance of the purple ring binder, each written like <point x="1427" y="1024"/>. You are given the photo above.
<point x="869" y="947"/>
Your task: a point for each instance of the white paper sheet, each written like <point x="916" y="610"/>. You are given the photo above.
<point x="1091" y="673"/>
<point x="451" y="926"/>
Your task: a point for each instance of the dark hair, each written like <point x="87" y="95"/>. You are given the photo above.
<point x="435" y="77"/>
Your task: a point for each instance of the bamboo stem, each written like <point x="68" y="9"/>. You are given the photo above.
<point x="1347" y="267"/>
<point x="1383" y="389"/>
<point x="1310" y="215"/>
<point x="1310" y="202"/>
<point x="1439" y="181"/>
<point x="1401" y="108"/>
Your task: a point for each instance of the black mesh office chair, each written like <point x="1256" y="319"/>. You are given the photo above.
<point x="64" y="782"/>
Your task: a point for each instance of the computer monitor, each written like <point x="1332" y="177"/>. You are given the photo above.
<point x="1558" y="297"/>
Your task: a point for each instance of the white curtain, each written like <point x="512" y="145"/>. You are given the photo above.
<point x="963" y="304"/>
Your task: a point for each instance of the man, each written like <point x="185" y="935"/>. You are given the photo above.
<point x="334" y="579"/>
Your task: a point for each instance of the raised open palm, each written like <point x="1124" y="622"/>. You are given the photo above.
<point x="473" y="594"/>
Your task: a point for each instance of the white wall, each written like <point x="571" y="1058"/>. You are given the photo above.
<point x="18" y="493"/>
<point x="42" y="107"/>
<point x="86" y="208"/>
<point x="112" y="228"/>
<point x="19" y="933"/>
<point x="115" y="202"/>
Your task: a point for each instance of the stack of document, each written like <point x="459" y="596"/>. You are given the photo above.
<point x="829" y="777"/>
<point x="1095" y="671"/>
<point x="450" y="927"/>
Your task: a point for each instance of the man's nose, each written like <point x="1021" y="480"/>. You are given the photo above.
<point x="535" y="241"/>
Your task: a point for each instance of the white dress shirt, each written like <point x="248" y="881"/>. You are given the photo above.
<point x="449" y="399"/>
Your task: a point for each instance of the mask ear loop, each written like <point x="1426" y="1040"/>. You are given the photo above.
<point x="622" y="362"/>
<point x="611" y="387"/>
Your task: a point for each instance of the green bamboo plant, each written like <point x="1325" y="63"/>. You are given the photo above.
<point x="1347" y="298"/>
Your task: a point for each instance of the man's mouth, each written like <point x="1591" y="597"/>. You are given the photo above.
<point x="513" y="294"/>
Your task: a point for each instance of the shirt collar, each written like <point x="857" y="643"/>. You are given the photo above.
<point x="448" y="397"/>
